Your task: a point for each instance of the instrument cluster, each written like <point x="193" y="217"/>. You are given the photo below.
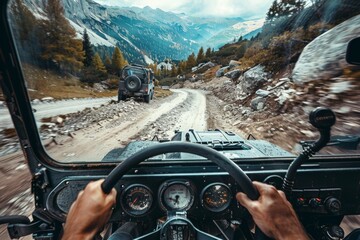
<point x="137" y="200"/>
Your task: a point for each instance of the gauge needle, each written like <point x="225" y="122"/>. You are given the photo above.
<point x="176" y="200"/>
<point x="133" y="202"/>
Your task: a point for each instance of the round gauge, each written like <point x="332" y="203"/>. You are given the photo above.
<point x="137" y="200"/>
<point x="176" y="196"/>
<point x="216" y="197"/>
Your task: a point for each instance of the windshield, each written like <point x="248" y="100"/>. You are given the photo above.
<point x="249" y="72"/>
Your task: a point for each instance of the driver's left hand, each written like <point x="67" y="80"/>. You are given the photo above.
<point x="89" y="213"/>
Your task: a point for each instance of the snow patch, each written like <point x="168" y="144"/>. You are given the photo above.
<point x="148" y="60"/>
<point x="94" y="38"/>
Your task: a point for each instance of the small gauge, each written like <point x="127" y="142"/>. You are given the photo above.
<point x="177" y="195"/>
<point x="216" y="197"/>
<point x="137" y="200"/>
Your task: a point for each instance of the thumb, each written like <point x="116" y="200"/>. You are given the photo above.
<point x="244" y="200"/>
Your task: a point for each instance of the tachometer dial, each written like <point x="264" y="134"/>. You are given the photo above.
<point x="216" y="197"/>
<point x="137" y="200"/>
<point x="176" y="196"/>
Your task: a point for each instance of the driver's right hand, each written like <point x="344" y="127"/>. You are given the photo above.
<point x="273" y="213"/>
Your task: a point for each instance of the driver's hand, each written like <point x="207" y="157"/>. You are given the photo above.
<point x="273" y="214"/>
<point x="89" y="213"/>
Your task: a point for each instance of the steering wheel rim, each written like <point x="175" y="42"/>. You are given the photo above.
<point x="219" y="159"/>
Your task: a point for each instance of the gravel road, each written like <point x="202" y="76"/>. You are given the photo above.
<point x="183" y="110"/>
<point x="52" y="108"/>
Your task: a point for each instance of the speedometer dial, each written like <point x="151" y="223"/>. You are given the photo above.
<point x="216" y="197"/>
<point x="137" y="200"/>
<point x="177" y="196"/>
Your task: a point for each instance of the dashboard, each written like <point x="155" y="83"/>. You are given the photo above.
<point x="205" y="192"/>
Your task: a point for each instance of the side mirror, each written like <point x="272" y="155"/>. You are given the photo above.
<point x="353" y="51"/>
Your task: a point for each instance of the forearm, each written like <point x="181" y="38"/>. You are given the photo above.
<point x="290" y="231"/>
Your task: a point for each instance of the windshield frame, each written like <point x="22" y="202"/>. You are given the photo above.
<point x="18" y="101"/>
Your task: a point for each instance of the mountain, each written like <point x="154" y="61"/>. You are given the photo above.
<point x="145" y="34"/>
<point x="245" y="28"/>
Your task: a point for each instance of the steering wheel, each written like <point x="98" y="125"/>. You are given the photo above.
<point x="221" y="160"/>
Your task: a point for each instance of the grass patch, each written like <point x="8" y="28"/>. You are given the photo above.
<point x="168" y="81"/>
<point x="161" y="93"/>
<point x="45" y="83"/>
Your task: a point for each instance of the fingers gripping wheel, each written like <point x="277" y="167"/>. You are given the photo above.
<point x="133" y="83"/>
<point x="222" y="161"/>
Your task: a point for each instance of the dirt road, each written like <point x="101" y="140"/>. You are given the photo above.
<point x="183" y="110"/>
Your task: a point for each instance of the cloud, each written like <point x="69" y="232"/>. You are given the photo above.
<point x="201" y="8"/>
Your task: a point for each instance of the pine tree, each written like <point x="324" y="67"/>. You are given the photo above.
<point x="200" y="56"/>
<point x="26" y="31"/>
<point x="208" y="53"/>
<point x="60" y="46"/>
<point x="173" y="70"/>
<point x="98" y="64"/>
<point x="87" y="48"/>
<point x="284" y="8"/>
<point x="273" y="11"/>
<point x="108" y="63"/>
<point x="191" y="62"/>
<point x="118" y="60"/>
<point x="24" y="20"/>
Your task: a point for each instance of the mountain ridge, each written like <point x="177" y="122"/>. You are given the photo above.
<point x="142" y="33"/>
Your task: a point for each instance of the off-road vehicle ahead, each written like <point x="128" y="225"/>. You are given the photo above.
<point x="136" y="81"/>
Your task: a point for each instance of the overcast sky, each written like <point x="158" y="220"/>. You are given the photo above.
<point x="223" y="8"/>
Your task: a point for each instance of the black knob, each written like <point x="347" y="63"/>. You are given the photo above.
<point x="333" y="205"/>
<point x="322" y="118"/>
<point x="315" y="202"/>
<point x="334" y="232"/>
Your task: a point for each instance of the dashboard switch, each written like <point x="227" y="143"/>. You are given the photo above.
<point x="333" y="205"/>
<point x="315" y="202"/>
<point x="300" y="201"/>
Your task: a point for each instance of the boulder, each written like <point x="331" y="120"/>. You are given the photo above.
<point x="258" y="103"/>
<point x="202" y="67"/>
<point x="234" y="74"/>
<point x="252" y="79"/>
<point x="47" y="99"/>
<point x="221" y="71"/>
<point x="234" y="63"/>
<point x="262" y="93"/>
<point x="324" y="57"/>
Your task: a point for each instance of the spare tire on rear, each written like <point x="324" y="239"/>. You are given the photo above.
<point x="133" y="83"/>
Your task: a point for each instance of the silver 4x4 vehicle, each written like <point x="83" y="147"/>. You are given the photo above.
<point x="136" y="81"/>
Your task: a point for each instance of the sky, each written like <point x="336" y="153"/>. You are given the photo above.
<point x="248" y="9"/>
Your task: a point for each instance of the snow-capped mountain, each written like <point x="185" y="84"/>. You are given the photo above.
<point x="146" y="34"/>
<point x="244" y="28"/>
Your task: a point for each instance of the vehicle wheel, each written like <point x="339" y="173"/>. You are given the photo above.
<point x="147" y="98"/>
<point x="133" y="83"/>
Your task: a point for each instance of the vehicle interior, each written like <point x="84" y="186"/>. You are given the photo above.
<point x="182" y="186"/>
